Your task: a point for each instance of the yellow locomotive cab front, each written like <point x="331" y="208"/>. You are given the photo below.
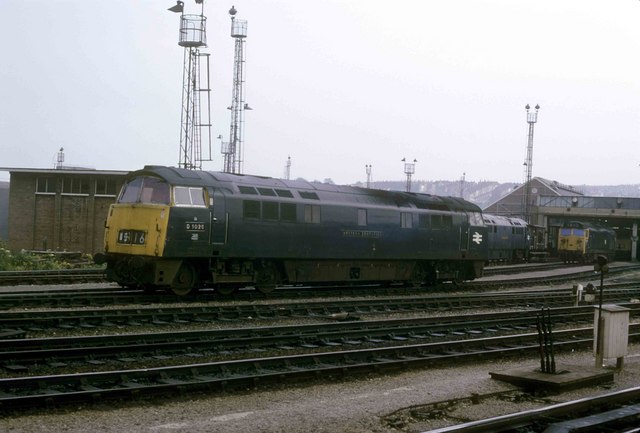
<point x="138" y="229"/>
<point x="136" y="232"/>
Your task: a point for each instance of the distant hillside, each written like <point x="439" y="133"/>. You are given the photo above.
<point x="485" y="193"/>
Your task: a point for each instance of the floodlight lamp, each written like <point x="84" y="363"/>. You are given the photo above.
<point x="178" y="7"/>
<point x="246" y="107"/>
<point x="232" y="11"/>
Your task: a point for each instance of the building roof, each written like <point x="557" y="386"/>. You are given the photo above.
<point x="553" y="188"/>
<point x="64" y="170"/>
<point x="559" y="188"/>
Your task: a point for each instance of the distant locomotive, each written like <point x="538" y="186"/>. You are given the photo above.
<point x="508" y="239"/>
<point x="183" y="229"/>
<point x="581" y="242"/>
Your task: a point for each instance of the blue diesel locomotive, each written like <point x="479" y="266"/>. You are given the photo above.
<point x="509" y="240"/>
<point x="182" y="229"/>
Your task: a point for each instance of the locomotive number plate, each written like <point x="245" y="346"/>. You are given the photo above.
<point x="132" y="237"/>
<point x="195" y="227"/>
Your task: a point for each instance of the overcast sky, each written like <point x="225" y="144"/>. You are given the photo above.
<point x="335" y="84"/>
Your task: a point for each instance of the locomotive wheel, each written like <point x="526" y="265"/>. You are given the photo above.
<point x="226" y="290"/>
<point x="186" y="280"/>
<point x="149" y="289"/>
<point x="266" y="278"/>
<point x="418" y="276"/>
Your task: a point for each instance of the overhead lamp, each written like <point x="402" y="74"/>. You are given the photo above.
<point x="178" y="7"/>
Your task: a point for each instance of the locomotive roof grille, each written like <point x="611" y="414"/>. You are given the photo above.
<point x="308" y="194"/>
<point x="267" y="191"/>
<point x="247" y="184"/>
<point x="247" y="190"/>
<point x="284" y="193"/>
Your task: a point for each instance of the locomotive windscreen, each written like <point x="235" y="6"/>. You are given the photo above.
<point x="145" y="189"/>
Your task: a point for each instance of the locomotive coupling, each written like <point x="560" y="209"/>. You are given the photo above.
<point x="100" y="258"/>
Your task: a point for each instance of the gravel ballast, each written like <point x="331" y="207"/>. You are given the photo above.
<point x="402" y="402"/>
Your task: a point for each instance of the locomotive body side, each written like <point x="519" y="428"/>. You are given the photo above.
<point x="333" y="240"/>
<point x="246" y="230"/>
<point x="508" y="239"/>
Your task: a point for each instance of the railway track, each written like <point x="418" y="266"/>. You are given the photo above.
<point x="612" y="412"/>
<point x="83" y="297"/>
<point x="491" y="270"/>
<point x="23" y="354"/>
<point x="38" y="321"/>
<point x="27" y="392"/>
<point x="73" y="297"/>
<point x="56" y="276"/>
<point x="309" y="350"/>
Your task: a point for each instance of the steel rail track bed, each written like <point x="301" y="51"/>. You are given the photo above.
<point x="102" y="296"/>
<point x="26" y="392"/>
<point x="613" y="412"/>
<point x="53" y="276"/>
<point x="15" y="353"/>
<point x="31" y="320"/>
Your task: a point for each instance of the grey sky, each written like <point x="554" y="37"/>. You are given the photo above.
<point x="335" y="85"/>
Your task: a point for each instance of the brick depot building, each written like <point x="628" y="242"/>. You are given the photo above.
<point x="60" y="209"/>
<point x="554" y="204"/>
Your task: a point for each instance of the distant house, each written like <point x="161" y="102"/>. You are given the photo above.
<point x="512" y="205"/>
<point x="62" y="209"/>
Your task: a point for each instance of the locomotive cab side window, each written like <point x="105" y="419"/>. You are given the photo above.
<point x="189" y="196"/>
<point x="362" y="217"/>
<point x="312" y="213"/>
<point x="406" y="220"/>
<point x="475" y="219"/>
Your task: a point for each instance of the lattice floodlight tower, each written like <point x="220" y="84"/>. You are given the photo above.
<point x="195" y="123"/>
<point x="532" y="118"/>
<point x="233" y="150"/>
<point x="409" y="170"/>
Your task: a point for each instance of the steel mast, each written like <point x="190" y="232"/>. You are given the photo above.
<point x="532" y="118"/>
<point x="233" y="150"/>
<point x="195" y="126"/>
